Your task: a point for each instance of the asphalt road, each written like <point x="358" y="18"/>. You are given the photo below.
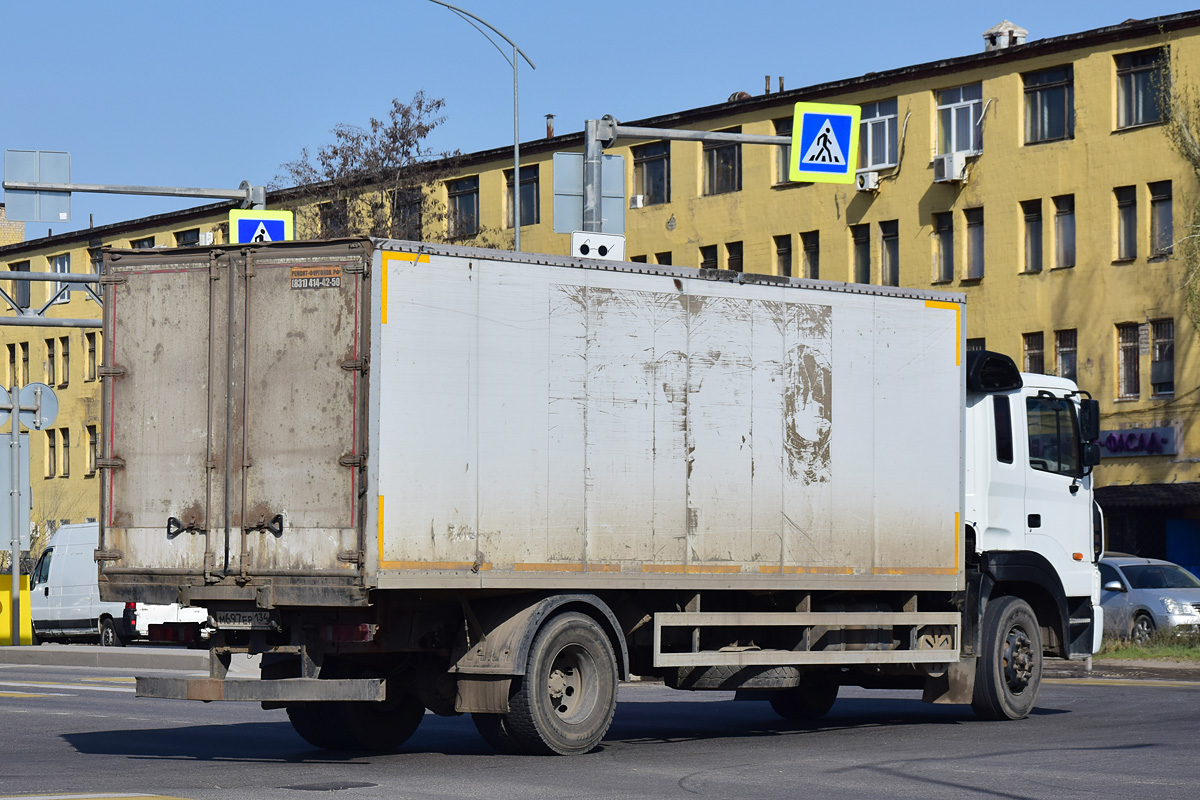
<point x="79" y="730"/>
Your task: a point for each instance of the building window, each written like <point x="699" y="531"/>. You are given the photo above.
<point x="1032" y="211"/>
<point x="810" y="241"/>
<point x="974" y="217"/>
<point x="20" y="289"/>
<point x="142" y="244"/>
<point x="877" y="135"/>
<point x="1162" y="229"/>
<point x="943" y="232"/>
<point x="93" y="452"/>
<point x="1139" y="80"/>
<point x="530" y="207"/>
<point x="723" y="166"/>
<point x="663" y="259"/>
<point x="464" y="206"/>
<point x="652" y="172"/>
<point x="24" y="363"/>
<point x="959" y="111"/>
<point x="1162" y="357"/>
<point x="783" y="152"/>
<point x="1126" y="197"/>
<point x="61" y="265"/>
<point x="334" y="218"/>
<point x="1050" y="105"/>
<point x="89" y="363"/>
<point x="733" y="256"/>
<point x="1064" y="231"/>
<point x="64" y="437"/>
<point x="1065" y="351"/>
<point x="783" y="256"/>
<point x="188" y="238"/>
<point x="64" y="359"/>
<point x="1035" y="352"/>
<point x="976" y="345"/>
<point x="12" y="379"/>
<point x="889" y="234"/>
<point x="96" y="258"/>
<point x="407" y="217"/>
<point x="1128" y="372"/>
<point x="708" y="257"/>
<point x="861" y="236"/>
<point x="51" y="364"/>
<point x="51" y="452"/>
<point x="637" y="259"/>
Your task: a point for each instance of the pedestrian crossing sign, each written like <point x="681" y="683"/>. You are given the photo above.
<point x="254" y="226"/>
<point x="824" y="143"/>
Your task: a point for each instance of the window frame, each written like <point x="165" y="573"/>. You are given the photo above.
<point x="713" y="170"/>
<point x="1066" y="350"/>
<point x="1064" y="219"/>
<point x="976" y="253"/>
<point x="783" y="255"/>
<point x="1125" y="205"/>
<point x="1038" y="88"/>
<point x="733" y="256"/>
<point x="948" y="109"/>
<point x="889" y="252"/>
<point x="1129" y="375"/>
<point x="646" y="160"/>
<point x="1033" y="236"/>
<point x="1162" y="343"/>
<point x="141" y="243"/>
<point x="860" y="248"/>
<point x="1162" y="223"/>
<point x="459" y="190"/>
<point x="186" y="238"/>
<point x="943" y="235"/>
<point x="20" y="289"/>
<point x="810" y="249"/>
<point x="1144" y="96"/>
<point x="783" y="152"/>
<point x="1033" y="352"/>
<point x="529" y="177"/>
<point x="882" y="116"/>
<point x="60" y="264"/>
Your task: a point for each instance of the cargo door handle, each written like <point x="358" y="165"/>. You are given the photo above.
<point x="1035" y="520"/>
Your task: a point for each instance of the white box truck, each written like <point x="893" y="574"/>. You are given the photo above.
<point x="419" y="476"/>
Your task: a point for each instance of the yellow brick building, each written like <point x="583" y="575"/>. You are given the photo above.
<point x="1033" y="177"/>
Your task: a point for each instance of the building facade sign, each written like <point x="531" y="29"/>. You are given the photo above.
<point x="1138" y="442"/>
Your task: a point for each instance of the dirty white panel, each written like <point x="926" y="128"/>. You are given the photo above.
<point x="917" y="414"/>
<point x="566" y="415"/>
<point x="427" y="445"/>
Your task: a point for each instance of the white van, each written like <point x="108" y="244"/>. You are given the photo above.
<point x="64" y="600"/>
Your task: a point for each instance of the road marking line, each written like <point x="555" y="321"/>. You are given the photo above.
<point x="51" y="685"/>
<point x="41" y="694"/>
<point x="87" y="796"/>
<point x="1125" y="682"/>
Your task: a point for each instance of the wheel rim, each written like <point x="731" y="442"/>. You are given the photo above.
<point x="1141" y="630"/>
<point x="572" y="684"/>
<point x="1018" y="659"/>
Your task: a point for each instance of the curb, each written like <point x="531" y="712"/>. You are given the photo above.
<point x="1136" y="670"/>
<point x="83" y="655"/>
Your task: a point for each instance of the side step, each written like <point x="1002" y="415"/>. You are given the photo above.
<point x="283" y="690"/>
<point x="923" y="638"/>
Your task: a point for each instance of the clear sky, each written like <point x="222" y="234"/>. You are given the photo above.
<point x="211" y="94"/>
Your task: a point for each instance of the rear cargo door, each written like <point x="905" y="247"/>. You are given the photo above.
<point x="234" y="417"/>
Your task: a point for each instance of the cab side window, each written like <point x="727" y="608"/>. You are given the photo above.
<point x="41" y="573"/>
<point x="1053" y="435"/>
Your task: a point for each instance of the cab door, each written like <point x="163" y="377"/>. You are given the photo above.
<point x="42" y="604"/>
<point x="1058" y="498"/>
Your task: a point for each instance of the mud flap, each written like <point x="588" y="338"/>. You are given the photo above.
<point x="956" y="686"/>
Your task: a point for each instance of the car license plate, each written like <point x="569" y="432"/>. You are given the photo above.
<point x="243" y="620"/>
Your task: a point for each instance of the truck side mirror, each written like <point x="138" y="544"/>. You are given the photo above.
<point x="1091" y="454"/>
<point x="1089" y="420"/>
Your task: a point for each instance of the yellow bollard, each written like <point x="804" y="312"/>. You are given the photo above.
<point x="6" y="611"/>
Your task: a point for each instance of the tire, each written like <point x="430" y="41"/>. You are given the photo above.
<point x="378" y="727"/>
<point x="494" y="730"/>
<point x="1142" y="630"/>
<point x="1008" y="673"/>
<point x="108" y="634"/>
<point x="810" y="700"/>
<point x="566" y="700"/>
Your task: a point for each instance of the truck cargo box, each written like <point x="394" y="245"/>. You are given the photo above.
<point x="301" y="423"/>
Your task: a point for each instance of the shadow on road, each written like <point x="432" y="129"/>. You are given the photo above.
<point x="276" y="742"/>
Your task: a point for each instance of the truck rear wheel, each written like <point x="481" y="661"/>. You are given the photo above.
<point x="494" y="730"/>
<point x="357" y="726"/>
<point x="810" y="700"/>
<point x="1009" y="670"/>
<point x="566" y="700"/>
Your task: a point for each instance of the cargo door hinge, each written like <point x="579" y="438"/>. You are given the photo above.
<point x="351" y="557"/>
<point x="109" y="279"/>
<point x="357" y="267"/>
<point x="352" y="461"/>
<point x="108" y="555"/>
<point x="110" y="372"/>
<point x="110" y="463"/>
<point x="355" y="365"/>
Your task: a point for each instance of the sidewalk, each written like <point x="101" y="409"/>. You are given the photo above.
<point x="1117" y="669"/>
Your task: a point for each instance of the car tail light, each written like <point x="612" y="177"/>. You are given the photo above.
<point x="130" y="615"/>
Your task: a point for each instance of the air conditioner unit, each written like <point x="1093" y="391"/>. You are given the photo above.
<point x="637" y="201"/>
<point x="950" y="168"/>
<point x="867" y="181"/>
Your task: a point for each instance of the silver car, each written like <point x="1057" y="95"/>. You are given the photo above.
<point x="1142" y="595"/>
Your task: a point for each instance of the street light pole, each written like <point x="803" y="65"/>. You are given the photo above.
<point x="468" y="16"/>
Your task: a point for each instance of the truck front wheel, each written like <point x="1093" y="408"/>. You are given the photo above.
<point x="566" y="700"/>
<point x="1009" y="670"/>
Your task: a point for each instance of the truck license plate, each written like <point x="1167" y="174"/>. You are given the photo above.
<point x="243" y="620"/>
